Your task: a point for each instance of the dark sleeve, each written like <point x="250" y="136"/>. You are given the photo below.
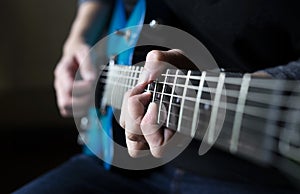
<point x="289" y="71"/>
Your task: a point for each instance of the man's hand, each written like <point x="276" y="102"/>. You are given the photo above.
<point x="75" y="52"/>
<point x="86" y="26"/>
<point x="142" y="131"/>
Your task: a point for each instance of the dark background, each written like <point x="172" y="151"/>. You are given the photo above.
<point x="34" y="138"/>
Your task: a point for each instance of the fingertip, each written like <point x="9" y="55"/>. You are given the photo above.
<point x="150" y="119"/>
<point x="157" y="152"/>
<point x="138" y="89"/>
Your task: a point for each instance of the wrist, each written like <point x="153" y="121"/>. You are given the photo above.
<point x="74" y="44"/>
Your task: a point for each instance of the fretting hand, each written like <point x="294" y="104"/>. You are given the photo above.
<point x="141" y="129"/>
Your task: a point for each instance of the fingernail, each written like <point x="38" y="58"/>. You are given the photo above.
<point x="144" y="76"/>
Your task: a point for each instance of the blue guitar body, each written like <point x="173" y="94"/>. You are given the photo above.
<point x="98" y="143"/>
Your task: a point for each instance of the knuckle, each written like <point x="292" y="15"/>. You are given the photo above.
<point x="132" y="101"/>
<point x="132" y="137"/>
<point x="59" y="67"/>
<point x="64" y="104"/>
<point x="155" y="55"/>
<point x="57" y="71"/>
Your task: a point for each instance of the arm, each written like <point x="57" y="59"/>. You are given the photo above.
<point x="86" y="26"/>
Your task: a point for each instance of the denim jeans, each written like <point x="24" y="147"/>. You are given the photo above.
<point x="85" y="174"/>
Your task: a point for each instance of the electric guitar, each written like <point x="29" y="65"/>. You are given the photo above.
<point x="259" y="116"/>
<point x="251" y="117"/>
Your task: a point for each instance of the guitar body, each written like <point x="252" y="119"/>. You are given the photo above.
<point x="99" y="135"/>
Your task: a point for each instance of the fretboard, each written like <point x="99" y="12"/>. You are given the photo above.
<point x="254" y="117"/>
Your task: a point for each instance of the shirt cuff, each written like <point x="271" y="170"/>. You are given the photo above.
<point x="289" y="71"/>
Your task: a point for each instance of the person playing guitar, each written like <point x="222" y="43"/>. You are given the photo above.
<point x="242" y="36"/>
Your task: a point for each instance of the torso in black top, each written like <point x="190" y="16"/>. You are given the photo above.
<point x="243" y="35"/>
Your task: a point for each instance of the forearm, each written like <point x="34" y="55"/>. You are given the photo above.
<point x="89" y="21"/>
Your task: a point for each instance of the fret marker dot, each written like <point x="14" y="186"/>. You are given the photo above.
<point x="206" y="106"/>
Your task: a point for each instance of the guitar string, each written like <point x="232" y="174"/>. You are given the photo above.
<point x="256" y="82"/>
<point x="262" y="99"/>
<point x="253" y="96"/>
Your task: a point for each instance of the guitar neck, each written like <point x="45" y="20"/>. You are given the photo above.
<point x="249" y="116"/>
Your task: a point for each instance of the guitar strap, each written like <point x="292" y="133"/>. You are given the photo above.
<point x="100" y="141"/>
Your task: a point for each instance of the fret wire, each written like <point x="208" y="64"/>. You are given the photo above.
<point x="171" y="99"/>
<point x="239" y="113"/>
<point x="128" y="78"/>
<point x="132" y="74"/>
<point x="106" y="92"/>
<point x="162" y="96"/>
<point x="153" y="95"/>
<point x="183" y="99"/>
<point x="197" y="104"/>
<point x="135" y="76"/>
<point x="123" y="77"/>
<point x="287" y="136"/>
<point x="248" y="139"/>
<point x="246" y="135"/>
<point x="139" y="71"/>
<point x="214" y="112"/>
